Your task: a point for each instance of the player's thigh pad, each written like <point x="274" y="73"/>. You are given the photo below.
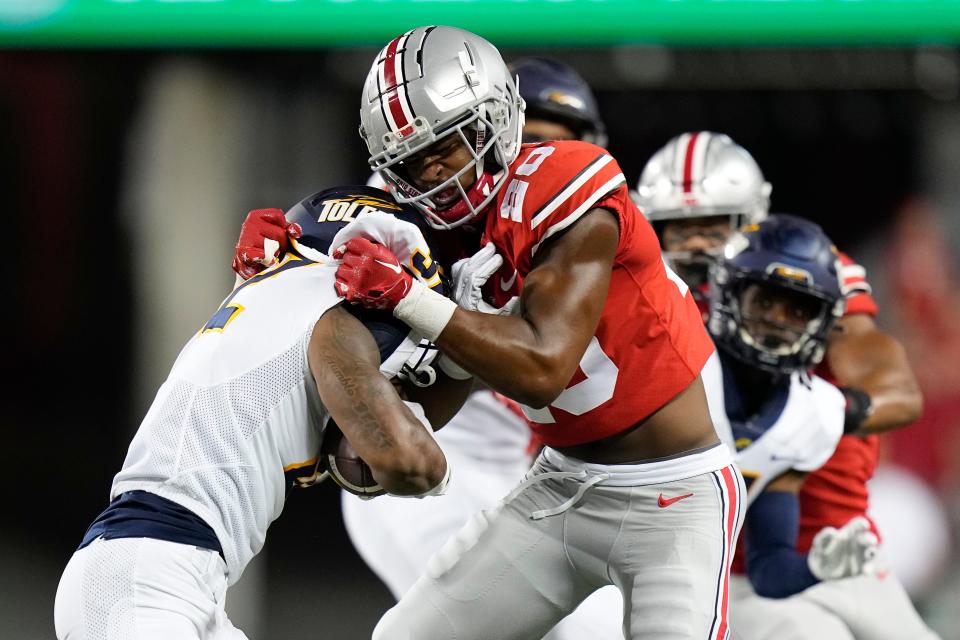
<point x="143" y="589"/>
<point x="503" y="576"/>
<point x="873" y="607"/>
<point x="396" y="536"/>
<point x="671" y="560"/>
<point x="599" y="617"/>
<point x="757" y="618"/>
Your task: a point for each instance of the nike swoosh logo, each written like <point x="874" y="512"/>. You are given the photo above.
<point x="507" y="284"/>
<point x="666" y="502"/>
<point x="392" y="267"/>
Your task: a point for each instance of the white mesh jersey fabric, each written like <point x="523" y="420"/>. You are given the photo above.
<point x="803" y="437"/>
<point x="108" y="590"/>
<point x="240" y="406"/>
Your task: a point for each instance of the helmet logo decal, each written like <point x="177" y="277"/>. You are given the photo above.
<point x="790" y="273"/>
<point x="347" y="209"/>
<point x="567" y="99"/>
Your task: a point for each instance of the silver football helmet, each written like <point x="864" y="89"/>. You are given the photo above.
<point x="699" y="174"/>
<point x="430" y="83"/>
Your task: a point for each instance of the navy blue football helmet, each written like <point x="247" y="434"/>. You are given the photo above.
<point x="320" y="216"/>
<point x="555" y="92"/>
<point x="789" y="257"/>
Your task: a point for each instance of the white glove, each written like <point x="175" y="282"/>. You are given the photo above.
<point x="845" y="552"/>
<point x="404" y="239"/>
<point x="470" y="274"/>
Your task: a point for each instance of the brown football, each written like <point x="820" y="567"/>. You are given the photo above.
<point x="344" y="465"/>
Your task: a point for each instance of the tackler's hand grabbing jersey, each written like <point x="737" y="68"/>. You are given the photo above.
<point x="238" y="423"/>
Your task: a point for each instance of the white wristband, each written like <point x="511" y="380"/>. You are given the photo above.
<point x="452" y="369"/>
<point x="425" y="311"/>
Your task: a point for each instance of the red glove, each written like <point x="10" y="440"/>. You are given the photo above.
<point x="370" y="275"/>
<point x="262" y="227"/>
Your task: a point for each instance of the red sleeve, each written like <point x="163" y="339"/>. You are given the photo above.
<point x="566" y="183"/>
<point x="853" y="282"/>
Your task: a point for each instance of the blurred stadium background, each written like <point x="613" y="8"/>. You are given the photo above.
<point x="136" y="134"/>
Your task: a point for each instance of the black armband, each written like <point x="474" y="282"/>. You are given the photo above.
<point x="859" y="408"/>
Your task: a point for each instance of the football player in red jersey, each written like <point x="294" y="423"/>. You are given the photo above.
<point x="697" y="189"/>
<point x="569" y="309"/>
<point x="488" y="441"/>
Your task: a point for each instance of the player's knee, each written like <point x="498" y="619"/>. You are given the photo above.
<point x="390" y="627"/>
<point x="406" y="621"/>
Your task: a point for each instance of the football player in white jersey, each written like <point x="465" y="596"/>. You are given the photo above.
<point x="488" y="441"/>
<point x="239" y="421"/>
<point x="775" y="295"/>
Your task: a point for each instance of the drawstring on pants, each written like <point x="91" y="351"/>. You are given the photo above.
<point x="558" y="475"/>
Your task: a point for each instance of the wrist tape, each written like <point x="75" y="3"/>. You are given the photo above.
<point x="425" y="310"/>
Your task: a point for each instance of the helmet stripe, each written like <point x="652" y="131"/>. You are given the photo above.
<point x="688" y="162"/>
<point x="399" y="114"/>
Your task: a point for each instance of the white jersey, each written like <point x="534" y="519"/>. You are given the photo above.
<point x="239" y="409"/>
<point x="798" y="429"/>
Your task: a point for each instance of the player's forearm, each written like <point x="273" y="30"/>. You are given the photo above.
<point x="775" y="568"/>
<point x="892" y="408"/>
<point x="416" y="476"/>
<point x="886" y="377"/>
<point x="511" y="355"/>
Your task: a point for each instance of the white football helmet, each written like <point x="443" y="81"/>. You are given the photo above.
<point x="699" y="174"/>
<point x="432" y="82"/>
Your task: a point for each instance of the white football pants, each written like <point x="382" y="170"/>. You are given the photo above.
<point x="514" y="571"/>
<point x="861" y="608"/>
<point x="143" y="589"/>
<point x="397" y="536"/>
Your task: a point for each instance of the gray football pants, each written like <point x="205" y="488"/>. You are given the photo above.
<point x="514" y="571"/>
<point x="862" y="608"/>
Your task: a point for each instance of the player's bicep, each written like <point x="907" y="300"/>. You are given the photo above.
<point x="567" y="287"/>
<point x="345" y="361"/>
<point x="789" y="482"/>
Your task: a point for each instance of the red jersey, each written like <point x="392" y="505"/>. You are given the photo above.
<point x="837" y="491"/>
<point x="650" y="343"/>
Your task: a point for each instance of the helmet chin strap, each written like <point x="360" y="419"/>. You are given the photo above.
<point x="483" y="181"/>
<point x="477" y="193"/>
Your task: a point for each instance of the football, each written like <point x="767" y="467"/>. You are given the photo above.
<point x="345" y="467"/>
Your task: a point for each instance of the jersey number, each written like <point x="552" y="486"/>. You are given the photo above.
<point x="512" y="205"/>
<point x="598" y="387"/>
